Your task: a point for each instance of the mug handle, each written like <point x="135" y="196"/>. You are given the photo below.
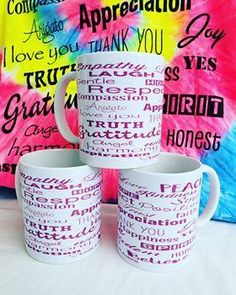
<point x="18" y="185"/>
<point x="212" y="203"/>
<point x="59" y="110"/>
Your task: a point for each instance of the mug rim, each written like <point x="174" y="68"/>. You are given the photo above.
<point x="119" y="52"/>
<point x="23" y="159"/>
<point x="143" y="170"/>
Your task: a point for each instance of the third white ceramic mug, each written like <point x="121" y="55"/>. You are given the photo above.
<point x="120" y="98"/>
<point x="158" y="211"/>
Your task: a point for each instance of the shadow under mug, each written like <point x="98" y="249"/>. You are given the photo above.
<point x="61" y="201"/>
<point x="120" y="98"/>
<point x="158" y="211"/>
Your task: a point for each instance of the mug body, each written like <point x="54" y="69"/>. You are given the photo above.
<point x="158" y="213"/>
<point x="61" y="202"/>
<point x="120" y="99"/>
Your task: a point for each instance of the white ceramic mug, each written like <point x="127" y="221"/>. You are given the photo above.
<point x="61" y="202"/>
<point x="158" y="211"/>
<point x="120" y="98"/>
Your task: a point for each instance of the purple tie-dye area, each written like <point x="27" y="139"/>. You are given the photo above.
<point x="41" y="39"/>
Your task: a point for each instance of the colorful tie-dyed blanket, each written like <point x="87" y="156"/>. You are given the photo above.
<point x="40" y="40"/>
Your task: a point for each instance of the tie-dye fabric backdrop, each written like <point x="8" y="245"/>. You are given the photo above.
<point x="41" y="39"/>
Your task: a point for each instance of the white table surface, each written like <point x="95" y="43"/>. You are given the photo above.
<point x="212" y="271"/>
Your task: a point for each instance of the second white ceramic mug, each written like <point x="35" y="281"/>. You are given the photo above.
<point x="61" y="202"/>
<point x="120" y="98"/>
